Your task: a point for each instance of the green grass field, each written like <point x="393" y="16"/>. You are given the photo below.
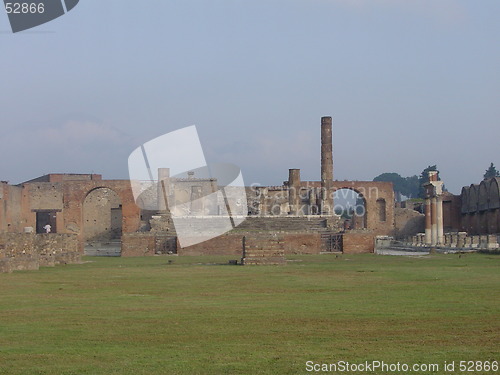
<point x="201" y="316"/>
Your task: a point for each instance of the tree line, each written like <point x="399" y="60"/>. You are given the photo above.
<point x="412" y="186"/>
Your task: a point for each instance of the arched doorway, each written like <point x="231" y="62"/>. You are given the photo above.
<point x="102" y="222"/>
<point x="351" y="207"/>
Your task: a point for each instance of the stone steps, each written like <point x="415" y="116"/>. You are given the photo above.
<point x="103" y="249"/>
<point x="220" y="224"/>
<point x="263" y="249"/>
<point x="282" y="224"/>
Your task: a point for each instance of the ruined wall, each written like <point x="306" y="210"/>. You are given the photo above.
<point x="75" y="193"/>
<point x="60" y="177"/>
<point x="227" y="244"/>
<point x="452" y="205"/>
<point x="102" y="215"/>
<point x="356" y="243"/>
<point x="302" y="243"/>
<point x="45" y="196"/>
<point x="480" y="207"/>
<point x="148" y="244"/>
<point x="408" y="222"/>
<point x="263" y="249"/>
<point x="378" y="196"/>
<point x="27" y="251"/>
<point x="14" y="210"/>
<point x="138" y="244"/>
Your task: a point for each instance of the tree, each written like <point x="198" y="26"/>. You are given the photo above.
<point x="407" y="186"/>
<point x="411" y="187"/>
<point x="491" y="172"/>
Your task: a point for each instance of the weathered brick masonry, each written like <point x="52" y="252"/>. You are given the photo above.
<point x="264" y="248"/>
<point x="28" y="251"/>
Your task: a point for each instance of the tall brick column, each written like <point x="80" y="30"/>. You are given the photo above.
<point x="294" y="200"/>
<point x="326" y="166"/>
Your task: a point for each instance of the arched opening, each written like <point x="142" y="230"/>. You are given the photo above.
<point x="351" y="207"/>
<point x="494" y="194"/>
<point x="102" y="216"/>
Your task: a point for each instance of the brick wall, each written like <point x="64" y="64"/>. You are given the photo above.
<point x="138" y="244"/>
<point x="227" y="244"/>
<point x="302" y="243"/>
<point x="263" y="248"/>
<point x="355" y="243"/>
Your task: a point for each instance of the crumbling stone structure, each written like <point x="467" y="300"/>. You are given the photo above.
<point x="434" y="228"/>
<point x="29" y="251"/>
<point x="275" y="209"/>
<point x="480" y="209"/>
<point x="263" y="249"/>
<point x="97" y="210"/>
<point x="80" y="204"/>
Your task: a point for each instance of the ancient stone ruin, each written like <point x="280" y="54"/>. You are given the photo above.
<point x="92" y="216"/>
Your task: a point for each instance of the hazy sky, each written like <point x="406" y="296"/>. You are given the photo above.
<point x="408" y="83"/>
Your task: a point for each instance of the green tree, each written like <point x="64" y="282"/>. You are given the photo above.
<point x="491" y="172"/>
<point x="412" y="186"/>
<point x="407" y="186"/>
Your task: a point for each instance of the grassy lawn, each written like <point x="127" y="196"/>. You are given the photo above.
<point x="201" y="316"/>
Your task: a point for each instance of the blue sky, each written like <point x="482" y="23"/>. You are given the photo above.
<point x="408" y="83"/>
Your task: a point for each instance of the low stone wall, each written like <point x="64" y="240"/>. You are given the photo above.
<point x="227" y="244"/>
<point x="294" y="243"/>
<point x="302" y="243"/>
<point x="459" y="240"/>
<point x="148" y="244"/>
<point x="28" y="251"/>
<point x="358" y="242"/>
<point x="138" y="244"/>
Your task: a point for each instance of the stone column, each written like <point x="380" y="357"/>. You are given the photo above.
<point x="326" y="166"/>
<point x="313" y="205"/>
<point x="468" y="242"/>
<point x="492" y="241"/>
<point x="483" y="241"/>
<point x="447" y="239"/>
<point x="434" y="221"/>
<point x="454" y="239"/>
<point x="420" y="239"/>
<point x="439" y="217"/>
<point x="163" y="188"/>
<point x="462" y="237"/>
<point x="475" y="241"/>
<point x="294" y="191"/>
<point x="428" y="222"/>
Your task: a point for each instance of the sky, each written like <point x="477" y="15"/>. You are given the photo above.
<point x="408" y="84"/>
